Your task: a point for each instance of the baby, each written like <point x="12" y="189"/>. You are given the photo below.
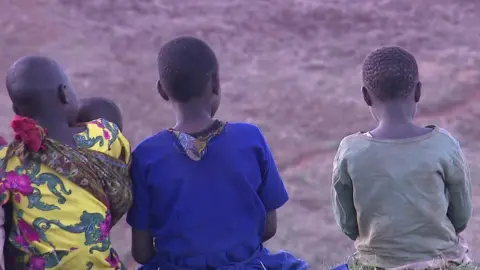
<point x="99" y="107"/>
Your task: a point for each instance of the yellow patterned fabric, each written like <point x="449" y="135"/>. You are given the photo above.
<point x="57" y="224"/>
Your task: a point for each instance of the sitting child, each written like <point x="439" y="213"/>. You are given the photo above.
<point x="401" y="191"/>
<point x="98" y="107"/>
<point x="205" y="191"/>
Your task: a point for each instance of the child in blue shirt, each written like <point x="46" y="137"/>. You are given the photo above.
<point x="205" y="191"/>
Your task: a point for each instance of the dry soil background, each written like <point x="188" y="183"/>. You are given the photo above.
<point x="290" y="66"/>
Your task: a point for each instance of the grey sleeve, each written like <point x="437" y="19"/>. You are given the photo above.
<point x="459" y="189"/>
<point x="342" y="197"/>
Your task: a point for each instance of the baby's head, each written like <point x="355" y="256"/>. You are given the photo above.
<point x="390" y="79"/>
<point x="98" y="107"/>
<point x="188" y="71"/>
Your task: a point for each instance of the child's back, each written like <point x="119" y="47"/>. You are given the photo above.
<point x="400" y="196"/>
<point x="206" y="191"/>
<point x="401" y="191"/>
<point x="213" y="207"/>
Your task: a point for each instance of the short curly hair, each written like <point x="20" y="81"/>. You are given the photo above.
<point x="390" y="73"/>
<point x="186" y="65"/>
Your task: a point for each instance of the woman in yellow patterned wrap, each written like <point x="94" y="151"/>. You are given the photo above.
<point x="68" y="185"/>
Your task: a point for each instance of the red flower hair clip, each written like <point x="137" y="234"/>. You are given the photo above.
<point x="27" y="131"/>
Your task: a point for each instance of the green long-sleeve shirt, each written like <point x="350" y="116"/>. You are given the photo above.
<point x="402" y="200"/>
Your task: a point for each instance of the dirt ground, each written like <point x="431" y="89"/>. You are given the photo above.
<point x="291" y="66"/>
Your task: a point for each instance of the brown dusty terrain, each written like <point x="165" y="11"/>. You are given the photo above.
<point x="291" y="66"/>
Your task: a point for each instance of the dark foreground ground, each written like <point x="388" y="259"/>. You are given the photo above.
<point x="292" y="67"/>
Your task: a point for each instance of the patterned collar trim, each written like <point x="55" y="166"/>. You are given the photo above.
<point x="196" y="147"/>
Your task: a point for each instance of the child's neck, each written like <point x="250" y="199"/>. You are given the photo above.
<point x="193" y="116"/>
<point x="192" y="123"/>
<point x="398" y="130"/>
<point x="395" y="121"/>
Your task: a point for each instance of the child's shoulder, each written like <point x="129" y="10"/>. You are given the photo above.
<point x="163" y="139"/>
<point x="447" y="144"/>
<point x="350" y="144"/>
<point x="247" y="133"/>
<point x="352" y="139"/>
<point x="155" y="141"/>
<point x="447" y="136"/>
<point x="246" y="128"/>
<point x="359" y="142"/>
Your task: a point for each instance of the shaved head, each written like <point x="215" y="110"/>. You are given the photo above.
<point x="34" y="75"/>
<point x="37" y="85"/>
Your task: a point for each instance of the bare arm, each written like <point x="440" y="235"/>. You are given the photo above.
<point x="139" y="215"/>
<point x="142" y="246"/>
<point x="270" y="226"/>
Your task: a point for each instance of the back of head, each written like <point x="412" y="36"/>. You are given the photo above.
<point x="99" y="107"/>
<point x="186" y="65"/>
<point x="390" y="73"/>
<point x="34" y="84"/>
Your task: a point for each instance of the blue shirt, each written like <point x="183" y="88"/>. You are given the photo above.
<point x="210" y="212"/>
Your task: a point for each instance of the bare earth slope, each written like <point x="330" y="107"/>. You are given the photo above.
<point x="291" y="66"/>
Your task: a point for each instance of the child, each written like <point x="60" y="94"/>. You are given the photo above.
<point x="402" y="192"/>
<point x="205" y="191"/>
<point x="67" y="183"/>
<point x="98" y="107"/>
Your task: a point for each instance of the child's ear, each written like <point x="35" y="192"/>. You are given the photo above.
<point x="215" y="84"/>
<point x="62" y="94"/>
<point x="418" y="92"/>
<point x="161" y="91"/>
<point x="366" y="96"/>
